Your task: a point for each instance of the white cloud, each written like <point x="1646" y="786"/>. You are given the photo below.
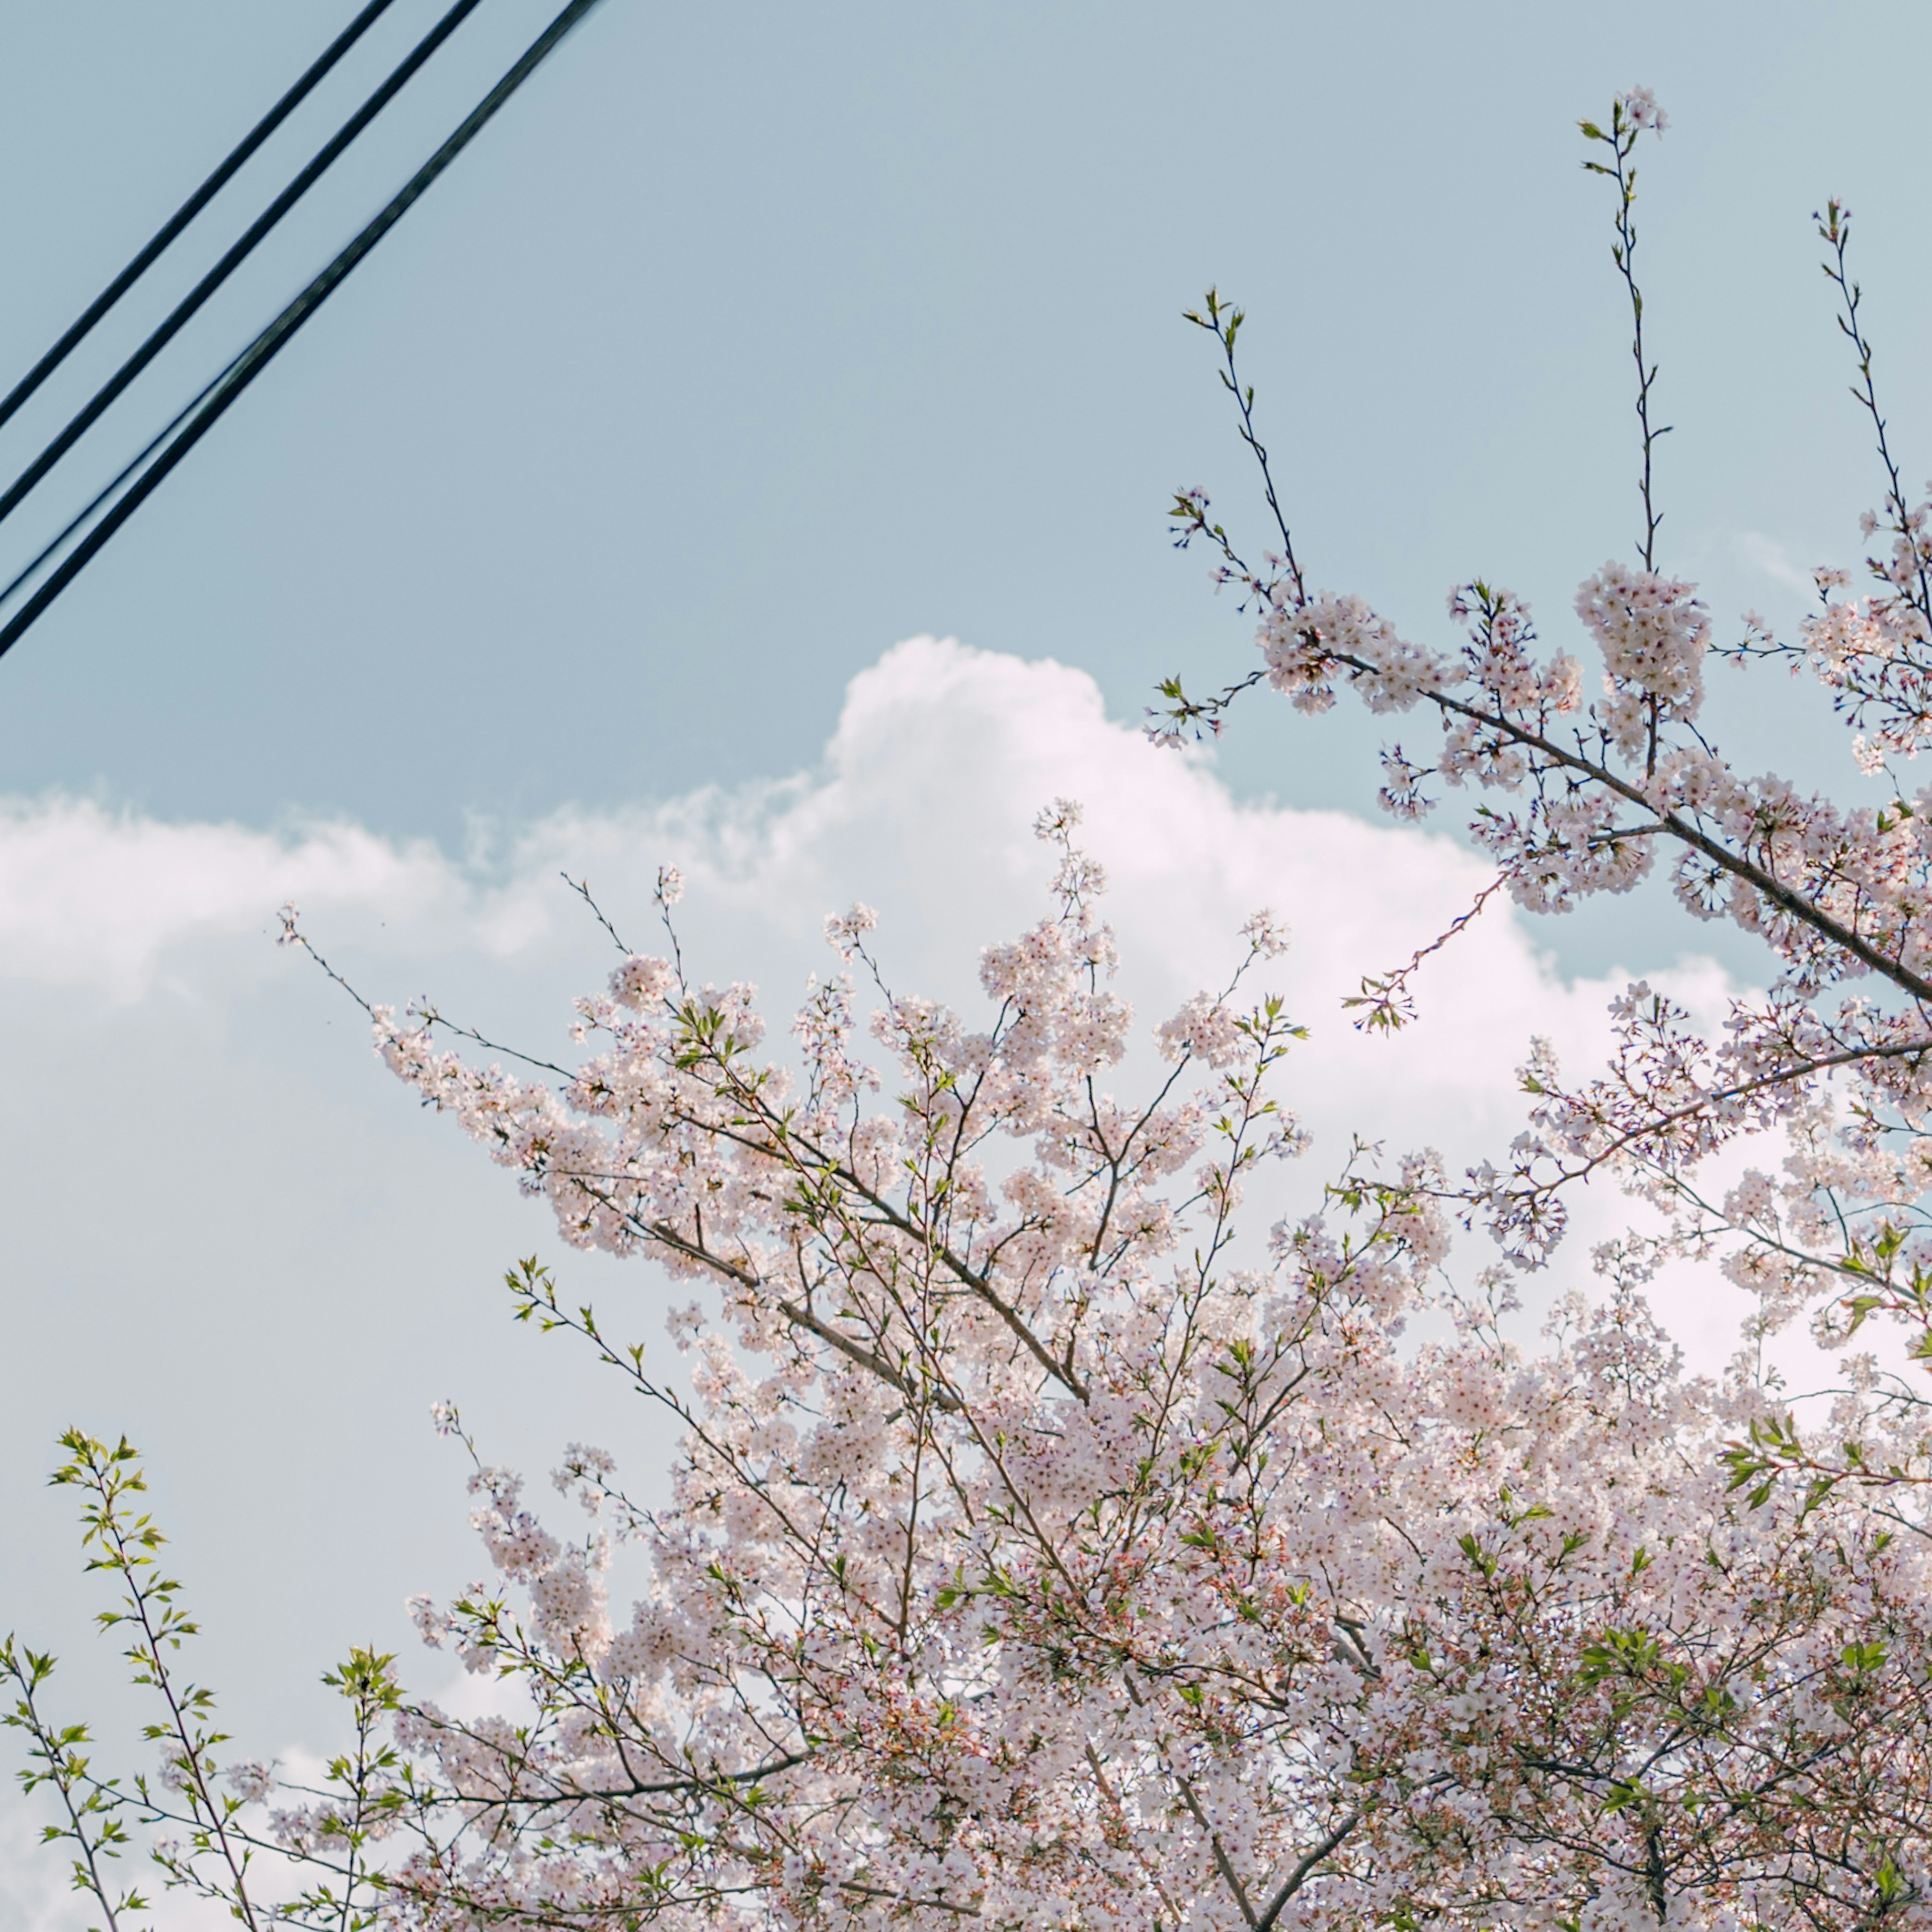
<point x="99" y="898"/>
<point x="923" y="806"/>
<point x="33" y="1892"/>
<point x="1776" y="562"/>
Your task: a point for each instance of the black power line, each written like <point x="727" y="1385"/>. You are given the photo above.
<point x="275" y="337"/>
<point x="91" y="412"/>
<point x="78" y="521"/>
<point x="190" y="208"/>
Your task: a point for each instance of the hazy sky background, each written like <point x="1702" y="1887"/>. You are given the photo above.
<point x="744" y="344"/>
<point x="753" y="339"/>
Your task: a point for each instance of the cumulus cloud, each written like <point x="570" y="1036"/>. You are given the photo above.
<point x="116" y="900"/>
<point x="923" y="805"/>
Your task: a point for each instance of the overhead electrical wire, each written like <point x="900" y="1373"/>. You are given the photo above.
<point x="96" y="406"/>
<point x="78" y="521"/>
<point x="190" y="208"/>
<point x="270" y="343"/>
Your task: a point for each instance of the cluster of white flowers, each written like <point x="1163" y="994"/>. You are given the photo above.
<point x="1204" y="1029"/>
<point x="250" y="1783"/>
<point x="1654" y="634"/>
<point x="1032" y="1554"/>
<point x="1574" y="809"/>
<point x="642" y="982"/>
<point x="843" y="930"/>
<point x="1874" y="654"/>
<point x="1044" y="1551"/>
<point x="1308" y="645"/>
<point x="1266" y="937"/>
<point x="1641" y="110"/>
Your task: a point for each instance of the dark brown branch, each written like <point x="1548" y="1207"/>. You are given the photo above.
<point x="1298" y="1876"/>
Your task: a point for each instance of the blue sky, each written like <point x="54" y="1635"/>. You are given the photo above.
<point x="579" y="529"/>
<point x="753" y="339"/>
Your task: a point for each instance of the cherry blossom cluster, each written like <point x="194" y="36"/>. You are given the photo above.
<point x="1048" y="1546"/>
<point x="1042" y="1551"/>
<point x="1586" y="783"/>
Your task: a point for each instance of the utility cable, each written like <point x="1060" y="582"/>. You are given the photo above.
<point x="275" y="337"/>
<point x="331" y="151"/>
<point x="53" y="545"/>
<point x="190" y="208"/>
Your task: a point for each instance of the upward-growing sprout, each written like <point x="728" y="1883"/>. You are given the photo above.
<point x="1630" y="114"/>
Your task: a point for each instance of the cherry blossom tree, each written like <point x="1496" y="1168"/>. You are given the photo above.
<point x="1047" y="1547"/>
